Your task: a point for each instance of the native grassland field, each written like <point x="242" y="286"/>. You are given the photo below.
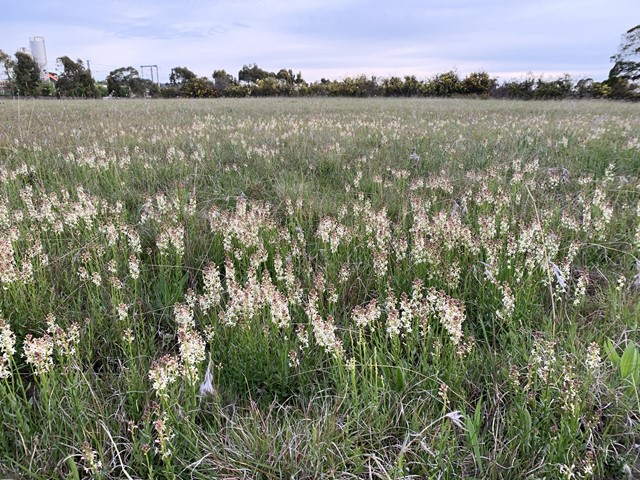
<point x="319" y="288"/>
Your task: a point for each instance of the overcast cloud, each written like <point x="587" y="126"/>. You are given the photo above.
<point x="329" y="38"/>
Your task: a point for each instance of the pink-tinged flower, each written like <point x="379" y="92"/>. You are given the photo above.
<point x="90" y="460"/>
<point x="324" y="332"/>
<point x="8" y="269"/>
<point x="184" y="316"/>
<point x="134" y="267"/>
<point x="171" y="237"/>
<point x="192" y="354"/>
<point x="38" y="353"/>
<point x="164" y="371"/>
<point x="7" y="347"/>
<point x="367" y="315"/>
<point x="212" y="288"/>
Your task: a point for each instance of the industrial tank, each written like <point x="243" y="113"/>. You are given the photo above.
<point x="36" y="44"/>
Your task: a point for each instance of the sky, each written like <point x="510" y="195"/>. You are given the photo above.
<point x="509" y="39"/>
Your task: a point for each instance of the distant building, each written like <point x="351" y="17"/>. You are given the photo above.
<point x="5" y="88"/>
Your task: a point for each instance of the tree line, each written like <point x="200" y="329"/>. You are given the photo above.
<point x="75" y="80"/>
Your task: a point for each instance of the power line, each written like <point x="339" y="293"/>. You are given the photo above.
<point x="103" y="65"/>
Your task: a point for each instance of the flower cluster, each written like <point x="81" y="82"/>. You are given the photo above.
<point x="7" y="347"/>
<point x="90" y="461"/>
<point x="243" y="225"/>
<point x="542" y="359"/>
<point x="421" y="307"/>
<point x="366" y="316"/>
<point x="164" y="372"/>
<point x="324" y="331"/>
<point x="65" y="341"/>
<point x="593" y="361"/>
<point x="38" y="352"/>
<point x="333" y="233"/>
<point x="213" y="290"/>
<point x="171" y="236"/>
<point x="164" y="435"/>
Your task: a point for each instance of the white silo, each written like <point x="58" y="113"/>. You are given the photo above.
<point x="36" y="44"/>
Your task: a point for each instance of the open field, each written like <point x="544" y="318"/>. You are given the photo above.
<point x="319" y="288"/>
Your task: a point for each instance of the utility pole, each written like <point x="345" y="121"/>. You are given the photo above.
<point x="142" y="67"/>
<point x="151" y="67"/>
